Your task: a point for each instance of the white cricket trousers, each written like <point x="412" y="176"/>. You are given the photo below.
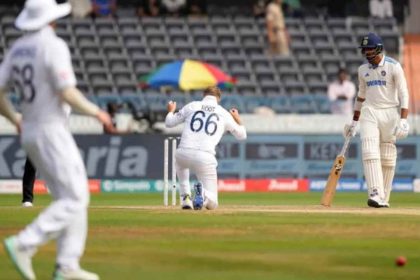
<point x="379" y="153"/>
<point x="203" y="165"/>
<point x="55" y="155"/>
<point x="379" y="123"/>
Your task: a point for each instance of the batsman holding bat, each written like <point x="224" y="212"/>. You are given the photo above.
<point x="382" y="105"/>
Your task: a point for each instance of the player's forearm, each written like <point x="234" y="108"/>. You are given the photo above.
<point x="403" y="98"/>
<point x="239" y="132"/>
<point x="357" y="108"/>
<point x="172" y="120"/>
<point x="6" y="108"/>
<point x="237" y="119"/>
<point x="401" y="83"/>
<point x="78" y="102"/>
<point x="114" y="131"/>
<point x="404" y="113"/>
<point x="356" y="116"/>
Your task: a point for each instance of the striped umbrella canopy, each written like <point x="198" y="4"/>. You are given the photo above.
<point x="187" y="75"/>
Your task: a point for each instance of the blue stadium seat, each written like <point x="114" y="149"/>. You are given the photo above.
<point x="271" y="88"/>
<point x="253" y="101"/>
<point x="109" y="55"/>
<point x="284" y="63"/>
<point x="338" y="25"/>
<point x="103" y="100"/>
<point x="295" y="87"/>
<point x="137" y="101"/>
<point x="318" y="87"/>
<point x="280" y="104"/>
<point x="156" y="101"/>
<point x="391" y="40"/>
<point x="360" y="25"/>
<point x="233" y="101"/>
<point x="323" y="103"/>
<point x="180" y="98"/>
<point x="303" y="104"/>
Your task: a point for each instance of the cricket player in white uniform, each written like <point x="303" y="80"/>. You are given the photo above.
<point x="205" y="122"/>
<point x="39" y="65"/>
<point x="382" y="105"/>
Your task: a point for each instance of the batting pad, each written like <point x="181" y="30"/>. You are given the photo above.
<point x="388" y="154"/>
<point x="388" y="160"/>
<point x="374" y="179"/>
<point x="370" y="148"/>
<point x="372" y="166"/>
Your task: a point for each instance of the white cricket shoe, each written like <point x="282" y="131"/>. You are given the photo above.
<point x="186" y="202"/>
<point x="22" y="259"/>
<point x="79" y="274"/>
<point x="376" y="202"/>
<point x="27" y="204"/>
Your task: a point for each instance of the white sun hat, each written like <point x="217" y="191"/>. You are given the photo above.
<point x="39" y="13"/>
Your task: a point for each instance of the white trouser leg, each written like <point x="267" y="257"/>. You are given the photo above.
<point x="183" y="173"/>
<point x="372" y="167"/>
<point x="374" y="180"/>
<point x="203" y="165"/>
<point x="376" y="126"/>
<point x="369" y="133"/>
<point x="207" y="175"/>
<point x="75" y="235"/>
<point x="388" y="161"/>
<point x="55" y="154"/>
<point x="389" y="120"/>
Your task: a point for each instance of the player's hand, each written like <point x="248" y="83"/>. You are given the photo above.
<point x="350" y="129"/>
<point x="104" y="118"/>
<point x="402" y="128"/>
<point x="19" y="127"/>
<point x="171" y="106"/>
<point x="235" y="114"/>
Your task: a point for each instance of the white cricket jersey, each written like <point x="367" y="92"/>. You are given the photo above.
<point x="205" y="122"/>
<point x="383" y="86"/>
<point x="39" y="65"/>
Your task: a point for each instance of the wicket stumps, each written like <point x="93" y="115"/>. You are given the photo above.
<point x="169" y="149"/>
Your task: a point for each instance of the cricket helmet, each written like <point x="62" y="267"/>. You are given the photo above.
<point x="371" y="41"/>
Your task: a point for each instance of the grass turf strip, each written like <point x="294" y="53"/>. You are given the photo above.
<point x="152" y="242"/>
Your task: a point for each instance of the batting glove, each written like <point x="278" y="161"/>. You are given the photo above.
<point x="402" y="128"/>
<point x="350" y="129"/>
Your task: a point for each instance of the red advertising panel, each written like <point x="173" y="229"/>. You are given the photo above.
<point x="40" y="187"/>
<point x="264" y="185"/>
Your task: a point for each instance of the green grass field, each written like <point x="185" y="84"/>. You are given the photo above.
<point x="251" y="236"/>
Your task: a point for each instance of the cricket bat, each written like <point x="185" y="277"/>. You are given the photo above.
<point x="335" y="174"/>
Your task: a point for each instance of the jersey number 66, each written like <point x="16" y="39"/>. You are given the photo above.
<point x="199" y="121"/>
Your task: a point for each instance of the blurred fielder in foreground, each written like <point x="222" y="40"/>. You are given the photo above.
<point x="205" y="122"/>
<point x="29" y="176"/>
<point x="383" y="118"/>
<point x="39" y="65"/>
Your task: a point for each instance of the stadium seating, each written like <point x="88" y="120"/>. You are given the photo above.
<point x="110" y="55"/>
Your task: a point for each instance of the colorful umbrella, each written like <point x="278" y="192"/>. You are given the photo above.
<point x="187" y="75"/>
